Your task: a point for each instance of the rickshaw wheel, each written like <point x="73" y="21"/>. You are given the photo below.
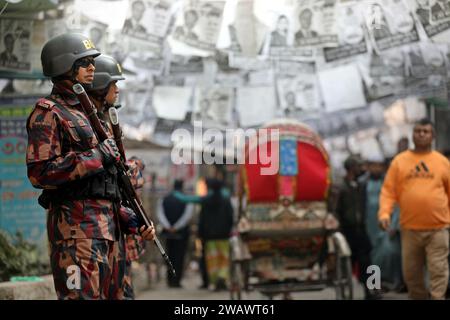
<point x="236" y="280"/>
<point x="343" y="277"/>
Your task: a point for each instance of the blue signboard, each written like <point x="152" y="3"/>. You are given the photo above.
<point x="19" y="209"/>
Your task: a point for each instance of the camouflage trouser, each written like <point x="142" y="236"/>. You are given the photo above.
<point x="86" y="269"/>
<point x="128" y="291"/>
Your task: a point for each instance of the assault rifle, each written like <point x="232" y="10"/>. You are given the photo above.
<point x="127" y="190"/>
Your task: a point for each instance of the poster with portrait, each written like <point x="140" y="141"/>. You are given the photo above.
<point x="278" y="28"/>
<point x="350" y="30"/>
<point x="143" y="56"/>
<point x="214" y="106"/>
<point x="383" y="74"/>
<point x="97" y="32"/>
<point x="299" y="96"/>
<point x="148" y="20"/>
<point x="390" y="24"/>
<point x="426" y="73"/>
<point x="15" y="44"/>
<point x="315" y="24"/>
<point x="136" y="106"/>
<point x="436" y="26"/>
<point x="439" y="11"/>
<point x="198" y="25"/>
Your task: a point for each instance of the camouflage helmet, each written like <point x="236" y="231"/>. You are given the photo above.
<point x="107" y="70"/>
<point x="60" y="52"/>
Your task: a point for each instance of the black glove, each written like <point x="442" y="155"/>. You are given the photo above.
<point x="109" y="151"/>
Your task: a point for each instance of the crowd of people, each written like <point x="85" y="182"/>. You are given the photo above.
<point x="395" y="214"/>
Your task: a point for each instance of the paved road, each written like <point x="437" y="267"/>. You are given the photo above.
<point x="191" y="283"/>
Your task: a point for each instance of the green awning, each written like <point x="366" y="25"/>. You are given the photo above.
<point x="28" y="6"/>
<point x="437" y="102"/>
<point x="35" y="75"/>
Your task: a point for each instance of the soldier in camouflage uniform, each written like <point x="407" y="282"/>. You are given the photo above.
<point x="103" y="93"/>
<point x="78" y="176"/>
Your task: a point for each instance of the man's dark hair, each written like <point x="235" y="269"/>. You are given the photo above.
<point x="351" y="162"/>
<point x="424" y="122"/>
<point x="178" y="185"/>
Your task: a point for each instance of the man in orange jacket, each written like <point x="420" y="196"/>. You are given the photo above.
<point x="419" y="181"/>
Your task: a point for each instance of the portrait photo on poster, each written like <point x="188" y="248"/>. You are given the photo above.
<point x="15" y="44"/>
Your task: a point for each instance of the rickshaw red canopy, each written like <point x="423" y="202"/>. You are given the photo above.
<point x="303" y="166"/>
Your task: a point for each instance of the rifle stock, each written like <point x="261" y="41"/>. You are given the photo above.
<point x="128" y="192"/>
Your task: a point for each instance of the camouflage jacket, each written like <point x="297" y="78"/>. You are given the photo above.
<point x="135" y="244"/>
<point x="57" y="154"/>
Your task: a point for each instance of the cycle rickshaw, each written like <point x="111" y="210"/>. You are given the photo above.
<point x="285" y="239"/>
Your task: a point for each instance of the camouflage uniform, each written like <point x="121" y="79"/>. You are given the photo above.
<point x="134" y="245"/>
<point x="83" y="233"/>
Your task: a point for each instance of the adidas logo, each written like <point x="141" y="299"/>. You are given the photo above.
<point x="420" y="170"/>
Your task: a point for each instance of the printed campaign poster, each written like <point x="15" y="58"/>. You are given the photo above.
<point x="390" y="24"/>
<point x="439" y="11"/>
<point x="279" y="23"/>
<point x="136" y="106"/>
<point x="384" y="74"/>
<point x="15" y="44"/>
<point x="350" y="30"/>
<point x="299" y="96"/>
<point x="434" y="16"/>
<point x="426" y="73"/>
<point x="148" y="20"/>
<point x="214" y="106"/>
<point x="198" y="25"/>
<point x="97" y="32"/>
<point x="315" y="24"/>
<point x="143" y="56"/>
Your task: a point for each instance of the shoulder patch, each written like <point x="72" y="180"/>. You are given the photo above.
<point x="45" y="104"/>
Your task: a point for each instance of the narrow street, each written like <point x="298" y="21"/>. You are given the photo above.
<point x="190" y="291"/>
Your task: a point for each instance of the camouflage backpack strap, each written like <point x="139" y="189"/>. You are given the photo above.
<point x="65" y="114"/>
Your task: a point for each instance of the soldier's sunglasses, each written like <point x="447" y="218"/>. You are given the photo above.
<point x="85" y="62"/>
